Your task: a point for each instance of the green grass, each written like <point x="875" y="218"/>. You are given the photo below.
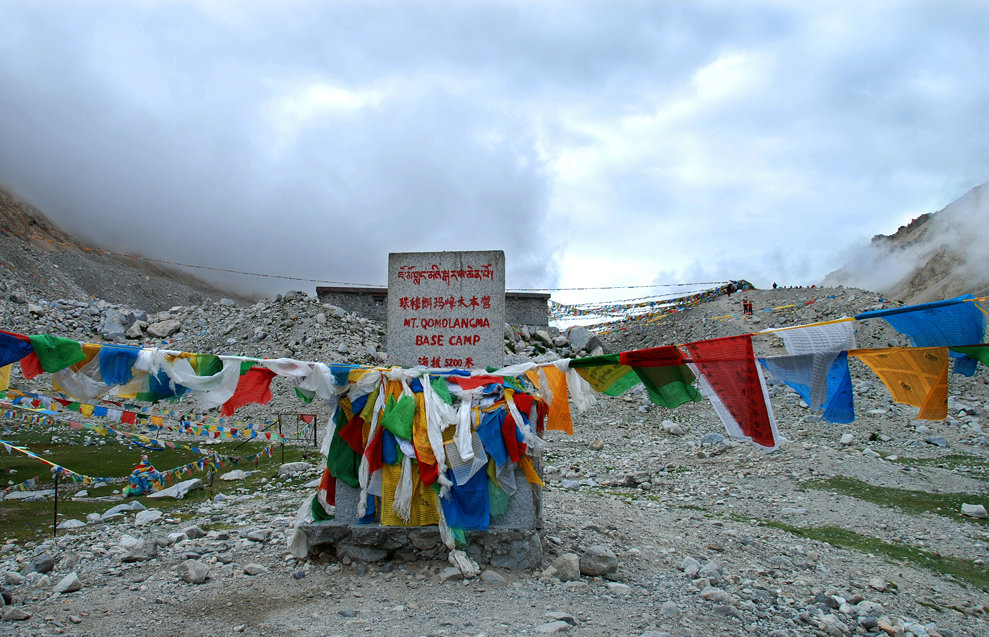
<point x="973" y="466"/>
<point x="965" y="570"/>
<point x="913" y="502"/>
<point x="32" y="521"/>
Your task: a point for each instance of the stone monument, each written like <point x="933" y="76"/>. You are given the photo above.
<point x="446" y="309"/>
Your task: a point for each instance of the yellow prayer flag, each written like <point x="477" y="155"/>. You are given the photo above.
<point x="916" y="376"/>
<point x="5" y="377"/>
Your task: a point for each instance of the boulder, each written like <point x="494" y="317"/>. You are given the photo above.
<point x="598" y="560"/>
<point x="112" y="325"/>
<point x="164" y="329"/>
<point x="193" y="571"/>
<point x="179" y="489"/>
<point x="69" y="584"/>
<point x="291" y="468"/>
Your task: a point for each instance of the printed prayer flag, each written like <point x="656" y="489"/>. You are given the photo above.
<point x="726" y="367"/>
<point x="916" y="376"/>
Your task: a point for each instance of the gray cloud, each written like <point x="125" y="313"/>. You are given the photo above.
<point x="594" y="143"/>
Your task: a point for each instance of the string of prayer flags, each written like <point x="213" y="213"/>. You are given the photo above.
<point x="957" y="321"/>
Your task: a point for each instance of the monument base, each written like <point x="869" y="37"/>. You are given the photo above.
<point x="506" y="548"/>
<point x="512" y="540"/>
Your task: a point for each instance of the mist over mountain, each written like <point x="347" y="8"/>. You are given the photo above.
<point x="40" y="258"/>
<point x="936" y="256"/>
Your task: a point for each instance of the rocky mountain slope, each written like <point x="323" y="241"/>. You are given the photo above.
<point x="39" y="257"/>
<point x="936" y="256"/>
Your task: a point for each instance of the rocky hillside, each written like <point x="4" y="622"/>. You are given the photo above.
<point x="936" y="256"/>
<point x="38" y="257"/>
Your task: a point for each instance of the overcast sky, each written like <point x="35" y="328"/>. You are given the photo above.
<point x="596" y="143"/>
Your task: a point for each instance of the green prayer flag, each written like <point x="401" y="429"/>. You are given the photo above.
<point x="398" y="419"/>
<point x="497" y="498"/>
<point x="319" y="514"/>
<point x="306" y="395"/>
<point x="606" y="374"/>
<point x="669" y="386"/>
<point x="56" y="353"/>
<point x="208" y="365"/>
<point x="439" y="385"/>
<point x="978" y="352"/>
<point x="342" y="461"/>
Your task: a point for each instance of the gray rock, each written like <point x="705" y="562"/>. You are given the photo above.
<point x="255" y="569"/>
<point x="147" y="516"/>
<point x="493" y="579"/>
<point x="582" y="338"/>
<point x="41" y="564"/>
<point x="71" y="524"/>
<point x="937" y="441"/>
<point x="14" y="578"/>
<point x="544" y="336"/>
<point x="974" y="510"/>
<point x="670" y="609"/>
<point x="562" y="617"/>
<point x="112" y="326"/>
<point x="553" y="627"/>
<point x="193" y="571"/>
<point x="690" y="566"/>
<point x="14" y="614"/>
<point x="136" y="330"/>
<point x="713" y="438"/>
<point x="137" y="549"/>
<point x="359" y="553"/>
<point x="194" y="532"/>
<point x="179" y="489"/>
<point x="711" y="570"/>
<point x="69" y="584"/>
<point x="121" y="508"/>
<point x="567" y="567"/>
<point x="598" y="560"/>
<point x="716" y="595"/>
<point x="164" y="329"/>
<point x="450" y="573"/>
<point x="292" y="468"/>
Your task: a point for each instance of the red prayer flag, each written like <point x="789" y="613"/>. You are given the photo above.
<point x="253" y="387"/>
<point x="728" y="366"/>
<point x="666" y="356"/>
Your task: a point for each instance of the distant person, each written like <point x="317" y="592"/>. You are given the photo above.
<point x="774" y="286"/>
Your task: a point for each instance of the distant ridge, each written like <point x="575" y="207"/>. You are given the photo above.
<point x="936" y="256"/>
<point x="45" y="260"/>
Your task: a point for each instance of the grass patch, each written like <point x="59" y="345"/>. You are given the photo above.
<point x="913" y="502"/>
<point x="965" y="570"/>
<point x="973" y="466"/>
<point x="32" y="521"/>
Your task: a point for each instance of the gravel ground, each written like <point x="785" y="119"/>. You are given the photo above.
<point x="703" y="533"/>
